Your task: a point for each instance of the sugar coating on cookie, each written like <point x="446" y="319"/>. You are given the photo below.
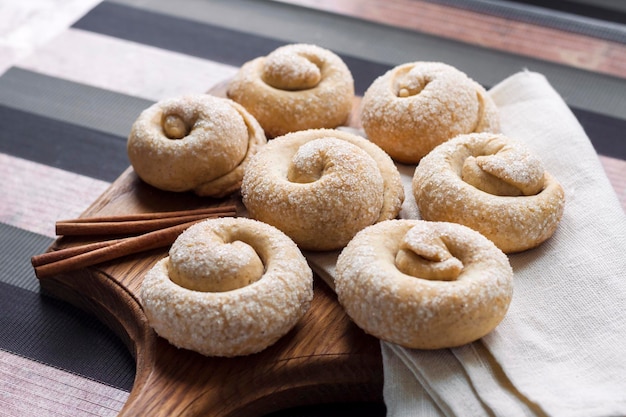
<point x="295" y="87"/>
<point x="321" y="186"/>
<point x="424" y="285"/>
<point x="229" y="287"/>
<point x="416" y="106"/>
<point x="493" y="184"/>
<point x="196" y="143"/>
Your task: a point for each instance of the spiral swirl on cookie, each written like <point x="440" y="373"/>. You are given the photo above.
<point x="295" y="87"/>
<point x="424" y="285"/>
<point x="416" y="106"/>
<point x="321" y="186"/>
<point x="196" y="143"/>
<point x="492" y="184"/>
<point x="229" y="287"/>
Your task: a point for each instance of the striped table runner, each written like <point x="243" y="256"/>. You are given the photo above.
<point x="65" y="111"/>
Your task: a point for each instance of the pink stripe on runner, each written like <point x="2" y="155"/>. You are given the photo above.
<point x="29" y="388"/>
<point x="35" y="196"/>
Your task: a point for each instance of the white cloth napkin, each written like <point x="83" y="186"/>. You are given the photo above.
<point x="561" y="349"/>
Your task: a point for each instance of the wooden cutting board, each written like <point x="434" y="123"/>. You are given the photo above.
<point x="324" y="359"/>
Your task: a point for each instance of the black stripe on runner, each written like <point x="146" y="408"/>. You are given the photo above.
<point x="55" y="333"/>
<point x="15" y="267"/>
<point x="592" y="9"/>
<point x="175" y="34"/>
<point x="71" y="102"/>
<point x="201" y="40"/>
<point x="51" y="331"/>
<point x="62" y="145"/>
<point x="607" y="134"/>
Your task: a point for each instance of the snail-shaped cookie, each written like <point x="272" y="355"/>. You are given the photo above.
<point x="321" y="186"/>
<point x="196" y="143"/>
<point x="424" y="285"/>
<point x="229" y="287"/>
<point x="295" y="87"/>
<point x="416" y="106"/>
<point x="492" y="184"/>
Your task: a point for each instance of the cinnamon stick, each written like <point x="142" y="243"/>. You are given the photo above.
<point x="58" y="255"/>
<point x="150" y="216"/>
<point x="138" y="223"/>
<point x="74" y="258"/>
